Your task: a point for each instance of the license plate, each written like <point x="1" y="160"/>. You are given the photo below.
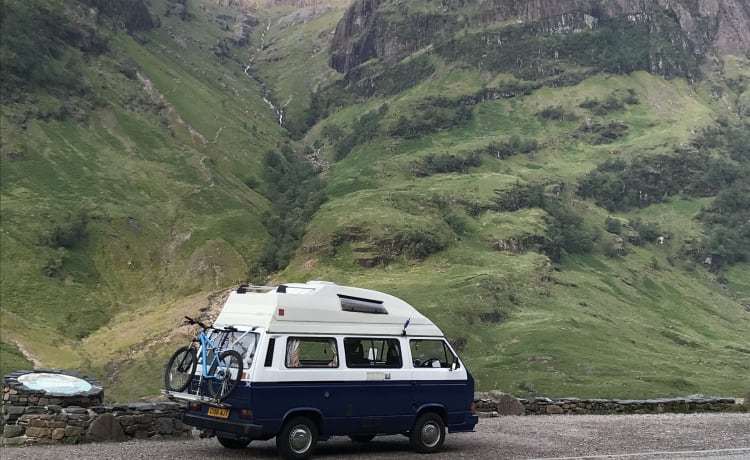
<point x="220" y="412"/>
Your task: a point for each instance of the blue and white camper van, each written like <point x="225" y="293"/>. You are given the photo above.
<point x="323" y="360"/>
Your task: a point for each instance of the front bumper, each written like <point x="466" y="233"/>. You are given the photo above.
<point x="470" y="421"/>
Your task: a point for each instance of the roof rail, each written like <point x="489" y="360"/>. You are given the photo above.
<point x="243" y="288"/>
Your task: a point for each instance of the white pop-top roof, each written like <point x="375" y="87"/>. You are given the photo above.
<point x="324" y="308"/>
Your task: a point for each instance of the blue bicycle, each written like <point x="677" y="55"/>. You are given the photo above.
<point x="221" y="368"/>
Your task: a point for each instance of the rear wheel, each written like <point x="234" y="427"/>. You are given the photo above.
<point x="428" y="434"/>
<point x="230" y="443"/>
<point x="180" y="369"/>
<point x="298" y="439"/>
<point x="226" y="376"/>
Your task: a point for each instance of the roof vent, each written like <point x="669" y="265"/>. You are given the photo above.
<point x="281" y="289"/>
<point x="361" y="305"/>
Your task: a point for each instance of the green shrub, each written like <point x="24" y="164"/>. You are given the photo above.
<point x="364" y="129"/>
<point x="598" y="134"/>
<point x="445" y="163"/>
<point x="296" y="193"/>
<point x="613" y="225"/>
<point x="37" y="49"/>
<point x="69" y="233"/>
<point x="557" y="113"/>
<point x="727" y="220"/>
<point x="565" y="231"/>
<point x="648" y="231"/>
<point x="432" y="115"/>
<point x="618" y="184"/>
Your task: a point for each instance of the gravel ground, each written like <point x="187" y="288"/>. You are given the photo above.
<point x="639" y="437"/>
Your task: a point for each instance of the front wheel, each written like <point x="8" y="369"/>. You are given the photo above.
<point x="298" y="439"/>
<point x="230" y="443"/>
<point x="225" y="376"/>
<point x="180" y="369"/>
<point x="428" y="434"/>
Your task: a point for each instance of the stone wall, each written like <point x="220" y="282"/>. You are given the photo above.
<point x="58" y="414"/>
<point x="28" y="425"/>
<point x="495" y="403"/>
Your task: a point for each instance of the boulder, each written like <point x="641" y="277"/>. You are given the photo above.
<point x="508" y="405"/>
<point x="106" y="428"/>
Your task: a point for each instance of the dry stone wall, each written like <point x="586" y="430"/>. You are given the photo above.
<point x="29" y="425"/>
<point x="33" y="416"/>
<point x="496" y="403"/>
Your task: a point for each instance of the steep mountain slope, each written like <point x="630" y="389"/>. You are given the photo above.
<point x="469" y="137"/>
<point x="392" y="29"/>
<point x="465" y="148"/>
<point x="131" y="190"/>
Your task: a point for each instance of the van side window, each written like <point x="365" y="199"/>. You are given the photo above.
<point x="269" y="353"/>
<point x="311" y="352"/>
<point x="431" y="353"/>
<point x="372" y="352"/>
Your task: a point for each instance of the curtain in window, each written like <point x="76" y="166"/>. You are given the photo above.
<point x="292" y="353"/>
<point x="335" y="359"/>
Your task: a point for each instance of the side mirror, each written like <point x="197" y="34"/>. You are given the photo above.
<point x="454" y="365"/>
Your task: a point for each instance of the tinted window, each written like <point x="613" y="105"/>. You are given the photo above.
<point x="372" y="352"/>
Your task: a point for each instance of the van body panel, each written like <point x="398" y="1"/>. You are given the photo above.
<point x="345" y="407"/>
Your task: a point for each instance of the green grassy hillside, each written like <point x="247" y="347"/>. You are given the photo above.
<point x="652" y="322"/>
<point x="139" y="198"/>
<point x="484" y="196"/>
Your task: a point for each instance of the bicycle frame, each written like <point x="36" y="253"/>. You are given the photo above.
<point x="208" y="346"/>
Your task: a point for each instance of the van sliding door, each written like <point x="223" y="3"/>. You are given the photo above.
<point x="378" y="387"/>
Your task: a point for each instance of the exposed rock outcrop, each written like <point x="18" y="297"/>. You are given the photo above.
<point x="391" y="30"/>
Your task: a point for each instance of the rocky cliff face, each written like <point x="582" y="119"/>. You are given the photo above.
<point x="390" y="29"/>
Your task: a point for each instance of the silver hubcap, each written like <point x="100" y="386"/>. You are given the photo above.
<point x="430" y="434"/>
<point x="300" y="439"/>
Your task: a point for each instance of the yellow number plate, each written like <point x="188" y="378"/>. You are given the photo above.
<point x="220" y="412"/>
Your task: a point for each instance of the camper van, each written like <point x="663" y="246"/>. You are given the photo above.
<point x="322" y="360"/>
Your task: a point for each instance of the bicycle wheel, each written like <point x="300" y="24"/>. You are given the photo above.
<point x="225" y="376"/>
<point x="180" y="369"/>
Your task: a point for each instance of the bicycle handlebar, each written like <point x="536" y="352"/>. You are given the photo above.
<point x="205" y="328"/>
<point x="198" y="322"/>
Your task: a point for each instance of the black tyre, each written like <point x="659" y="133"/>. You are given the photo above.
<point x="180" y="369"/>
<point x="428" y="433"/>
<point x="298" y="439"/>
<point x="361" y="437"/>
<point x="230" y="443"/>
<point x="227" y="375"/>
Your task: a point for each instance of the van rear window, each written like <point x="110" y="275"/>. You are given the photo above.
<point x="311" y="352"/>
